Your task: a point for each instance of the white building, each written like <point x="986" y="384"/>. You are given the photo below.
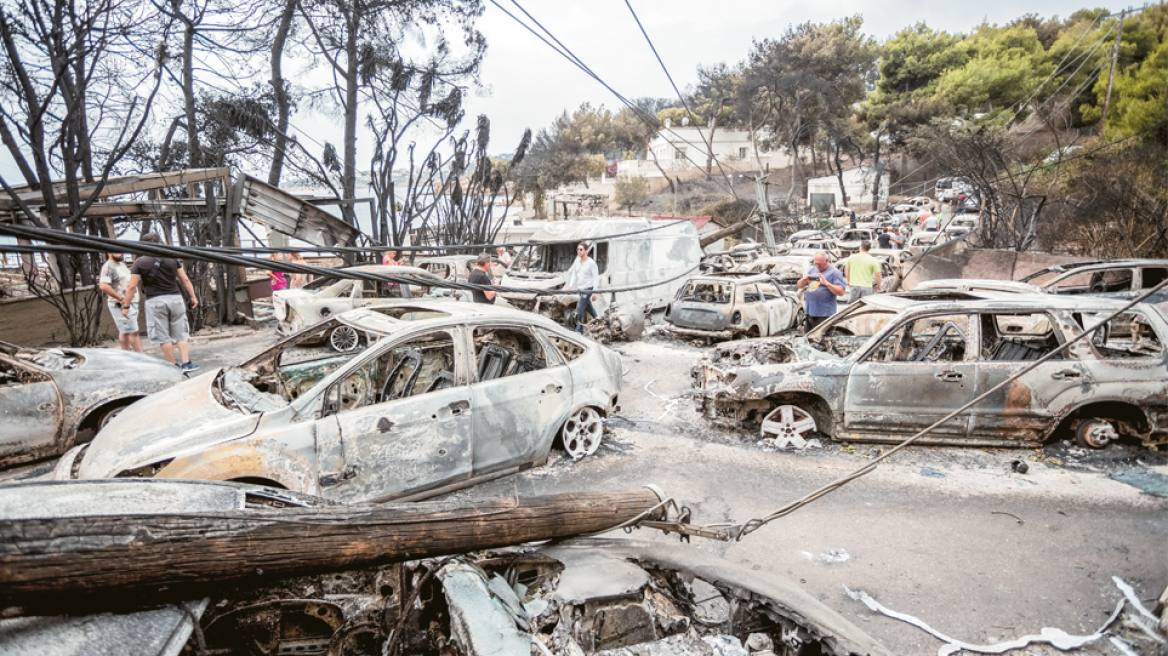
<point x="680" y="148"/>
<point x="824" y="193"/>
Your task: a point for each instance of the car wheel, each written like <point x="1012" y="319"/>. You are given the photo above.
<point x="344" y="339"/>
<point x="108" y="416"/>
<point x="582" y="432"/>
<point x="1095" y="434"/>
<point x="788" y="424"/>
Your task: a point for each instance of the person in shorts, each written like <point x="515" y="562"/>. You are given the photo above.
<point x="166" y="312"/>
<point x="113" y="281"/>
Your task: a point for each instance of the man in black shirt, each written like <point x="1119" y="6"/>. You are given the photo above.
<point x="479" y="276"/>
<point x="885" y="238"/>
<point x="166" y="312"/>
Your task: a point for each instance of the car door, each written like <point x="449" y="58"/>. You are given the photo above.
<point x="521" y="394"/>
<point x="1025" y="410"/>
<point x="780" y="309"/>
<point x="404" y="419"/>
<point x="919" y="372"/>
<point x="31" y="408"/>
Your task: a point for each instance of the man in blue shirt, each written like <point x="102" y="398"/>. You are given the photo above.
<point x="824" y="284"/>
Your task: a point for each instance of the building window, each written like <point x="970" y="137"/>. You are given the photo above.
<point x="679" y="153"/>
<point x="742" y="153"/>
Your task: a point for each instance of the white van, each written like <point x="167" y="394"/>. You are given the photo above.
<point x="656" y="250"/>
<point x="950" y="188"/>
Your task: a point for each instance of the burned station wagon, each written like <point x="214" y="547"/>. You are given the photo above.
<point x="891" y="365"/>
<point x="725" y="305"/>
<point x="444" y="395"/>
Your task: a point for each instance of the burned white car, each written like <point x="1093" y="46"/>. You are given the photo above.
<point x="443" y="395"/>
<point x="891" y="365"/>
<point x="325" y="297"/>
<point x="725" y="306"/>
<point x="51" y="399"/>
<point x="848" y="242"/>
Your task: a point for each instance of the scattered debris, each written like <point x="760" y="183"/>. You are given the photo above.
<point x="1019" y="466"/>
<point x="932" y="473"/>
<point x="1055" y="637"/>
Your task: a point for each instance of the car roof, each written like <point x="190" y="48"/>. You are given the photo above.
<point x="990" y="300"/>
<point x="368" y="318"/>
<point x="738" y="276"/>
<point x="389" y="269"/>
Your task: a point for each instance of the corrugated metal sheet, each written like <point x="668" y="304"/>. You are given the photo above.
<point x="279" y="210"/>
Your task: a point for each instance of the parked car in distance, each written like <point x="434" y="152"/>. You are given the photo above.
<point x="950" y="188"/>
<point x="440" y="395"/>
<point x="849" y="240"/>
<point x="1115" y="278"/>
<point x="960" y="225"/>
<point x="890" y="365"/>
<point x="922" y="241"/>
<point x="785" y="270"/>
<point x="51" y="399"/>
<point x="324" y="297"/>
<point x="728" y="305"/>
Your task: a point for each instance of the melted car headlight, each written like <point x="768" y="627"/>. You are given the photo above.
<point x="147" y="471"/>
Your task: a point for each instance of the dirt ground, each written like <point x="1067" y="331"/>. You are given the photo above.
<point x="953" y="536"/>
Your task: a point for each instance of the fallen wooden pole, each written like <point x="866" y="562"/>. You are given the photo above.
<point x="42" y="559"/>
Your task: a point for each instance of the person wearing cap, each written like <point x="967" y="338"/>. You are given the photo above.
<point x="113" y="281"/>
<point x="166" y="312"/>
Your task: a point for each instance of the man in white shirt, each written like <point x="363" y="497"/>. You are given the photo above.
<point x="113" y="281"/>
<point x="583" y="277"/>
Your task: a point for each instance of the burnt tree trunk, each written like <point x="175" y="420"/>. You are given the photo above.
<point x="51" y="560"/>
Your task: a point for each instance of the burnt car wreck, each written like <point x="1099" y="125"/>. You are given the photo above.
<point x="891" y="365"/>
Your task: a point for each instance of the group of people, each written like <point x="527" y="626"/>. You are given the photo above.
<point x="166" y="312"/>
<point x="825" y="284"/>
<point x="159" y="278"/>
<point x="279" y="279"/>
<point x="583" y="277"/>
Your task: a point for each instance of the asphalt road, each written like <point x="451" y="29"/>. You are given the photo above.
<point x="951" y="536"/>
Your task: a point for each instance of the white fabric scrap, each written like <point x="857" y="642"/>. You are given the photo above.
<point x="1056" y="637"/>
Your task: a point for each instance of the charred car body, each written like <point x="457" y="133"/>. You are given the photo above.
<point x="50" y="399"/>
<point x="724" y="306"/>
<point x="1116" y="278"/>
<point x="891" y="365"/>
<point x="444" y="395"/>
<point x="651" y="253"/>
<point x="320" y="299"/>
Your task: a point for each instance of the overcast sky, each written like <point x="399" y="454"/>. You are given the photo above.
<point x="527" y="84"/>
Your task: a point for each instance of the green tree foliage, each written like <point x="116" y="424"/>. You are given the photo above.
<point x="631" y="192"/>
<point x="1139" y="96"/>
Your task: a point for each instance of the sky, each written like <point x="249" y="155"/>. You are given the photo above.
<point x="526" y="84"/>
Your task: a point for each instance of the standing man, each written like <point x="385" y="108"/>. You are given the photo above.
<point x="824" y="283"/>
<point x="480" y="275"/>
<point x="930" y="222"/>
<point x="166" y="313"/>
<point x="113" y="280"/>
<point x="502" y="262"/>
<point x="885" y="238"/>
<point x="862" y="271"/>
<point x="583" y="277"/>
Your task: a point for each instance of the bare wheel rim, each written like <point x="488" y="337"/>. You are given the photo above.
<point x="788" y="422"/>
<point x="582" y="433"/>
<point x="1095" y="434"/>
<point x="343" y="339"/>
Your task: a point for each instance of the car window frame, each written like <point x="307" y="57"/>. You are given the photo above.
<point x="973" y="335"/>
<point x="471" y="357"/>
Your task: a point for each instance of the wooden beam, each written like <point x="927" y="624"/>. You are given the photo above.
<point x="125" y="185"/>
<point x="46" y="559"/>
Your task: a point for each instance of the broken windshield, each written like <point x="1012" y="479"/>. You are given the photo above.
<point x="847" y="331"/>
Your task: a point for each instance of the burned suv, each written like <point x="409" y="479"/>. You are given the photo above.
<point x="891" y="365"/>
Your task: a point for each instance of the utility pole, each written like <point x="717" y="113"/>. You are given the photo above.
<point x="1111" y="79"/>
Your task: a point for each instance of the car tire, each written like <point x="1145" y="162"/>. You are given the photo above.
<point x="108" y="416"/>
<point x="788" y="423"/>
<point x="1095" y="434"/>
<point x="582" y="432"/>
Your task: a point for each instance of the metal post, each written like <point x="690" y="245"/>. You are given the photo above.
<point x="1111" y="78"/>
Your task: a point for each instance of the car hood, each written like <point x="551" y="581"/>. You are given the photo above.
<point x="534" y="280"/>
<point x="183" y="419"/>
<point x="723" y="365"/>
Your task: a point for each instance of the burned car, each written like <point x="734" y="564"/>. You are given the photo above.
<point x="786" y="270"/>
<point x="325" y="297"/>
<point x="891" y="365"/>
<point x="1116" y="278"/>
<point x="724" y="306"/>
<point x="437" y="396"/>
<point x="51" y="399"/>
<point x="848" y="242"/>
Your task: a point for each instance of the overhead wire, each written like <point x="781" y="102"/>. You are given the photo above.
<point x="645" y="117"/>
